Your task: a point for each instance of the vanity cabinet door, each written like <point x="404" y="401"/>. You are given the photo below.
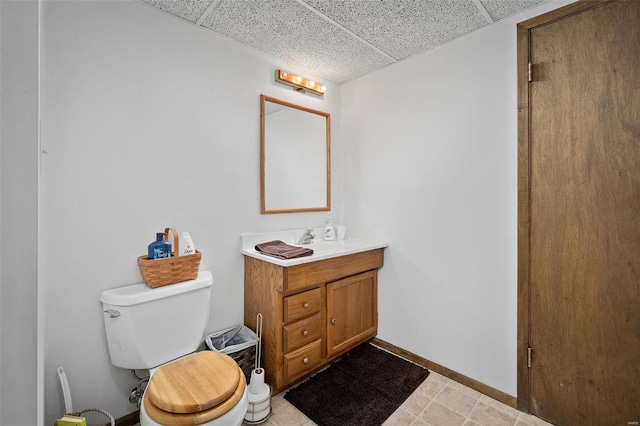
<point x="352" y="311"/>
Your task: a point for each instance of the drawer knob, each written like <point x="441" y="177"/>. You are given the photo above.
<point x="305" y="360"/>
<point x="305" y="333"/>
<point x="333" y="320"/>
<point x="306" y="305"/>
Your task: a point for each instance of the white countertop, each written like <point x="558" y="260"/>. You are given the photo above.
<point x="321" y="249"/>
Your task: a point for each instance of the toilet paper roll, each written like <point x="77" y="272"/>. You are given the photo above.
<point x="256" y="383"/>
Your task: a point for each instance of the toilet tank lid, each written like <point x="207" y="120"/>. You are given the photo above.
<point x="141" y="293"/>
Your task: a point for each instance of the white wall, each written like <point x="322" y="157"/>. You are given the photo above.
<point x="19" y="403"/>
<point x="147" y="122"/>
<point x="430" y="165"/>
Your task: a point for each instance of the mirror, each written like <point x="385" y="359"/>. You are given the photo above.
<point x="295" y="158"/>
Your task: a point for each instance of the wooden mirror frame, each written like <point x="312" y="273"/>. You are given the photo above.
<point x="263" y="146"/>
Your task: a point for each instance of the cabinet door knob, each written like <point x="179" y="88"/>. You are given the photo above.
<point x="305" y="333"/>
<point x="333" y="320"/>
<point x="306" y="305"/>
<point x="305" y="361"/>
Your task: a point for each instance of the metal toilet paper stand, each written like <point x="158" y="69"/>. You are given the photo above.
<point x="259" y="393"/>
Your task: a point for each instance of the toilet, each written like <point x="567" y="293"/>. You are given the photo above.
<point x="159" y="329"/>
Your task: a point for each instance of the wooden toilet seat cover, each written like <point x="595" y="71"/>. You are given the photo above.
<point x="194" y="389"/>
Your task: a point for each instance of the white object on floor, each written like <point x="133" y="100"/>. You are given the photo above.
<point x="66" y="390"/>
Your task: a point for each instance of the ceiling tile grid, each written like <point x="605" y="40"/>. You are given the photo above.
<point x="341" y="40"/>
<point x="295" y="34"/>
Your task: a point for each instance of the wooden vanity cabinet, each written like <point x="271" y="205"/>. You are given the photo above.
<point x="312" y="313"/>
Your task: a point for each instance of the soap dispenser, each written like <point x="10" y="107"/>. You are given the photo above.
<point x="328" y="234"/>
<point x="159" y="249"/>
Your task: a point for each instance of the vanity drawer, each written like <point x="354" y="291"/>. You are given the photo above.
<point x="302" y="304"/>
<point x="301" y="333"/>
<point x="302" y="360"/>
<point x="307" y="275"/>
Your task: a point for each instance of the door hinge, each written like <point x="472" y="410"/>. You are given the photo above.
<point x="530" y="74"/>
<point x="529" y="357"/>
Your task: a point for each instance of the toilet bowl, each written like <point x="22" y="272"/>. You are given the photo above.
<point x="233" y="417"/>
<point x="204" y="388"/>
<point x="159" y="329"/>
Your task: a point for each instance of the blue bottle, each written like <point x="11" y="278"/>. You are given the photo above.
<point x="159" y="249"/>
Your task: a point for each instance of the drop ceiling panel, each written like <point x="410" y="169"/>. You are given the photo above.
<point x="403" y="28"/>
<point x="190" y="10"/>
<point x="500" y="9"/>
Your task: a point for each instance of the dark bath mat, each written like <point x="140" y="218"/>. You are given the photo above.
<point x="363" y="388"/>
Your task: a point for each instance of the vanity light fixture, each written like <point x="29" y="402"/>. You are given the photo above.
<point x="300" y="83"/>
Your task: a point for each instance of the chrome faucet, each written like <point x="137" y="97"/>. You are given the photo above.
<point x="307" y="237"/>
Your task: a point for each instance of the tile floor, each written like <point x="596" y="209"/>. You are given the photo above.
<point x="438" y="401"/>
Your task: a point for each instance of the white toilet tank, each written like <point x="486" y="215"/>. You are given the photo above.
<point x="147" y="327"/>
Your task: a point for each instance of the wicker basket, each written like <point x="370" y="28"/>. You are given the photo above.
<point x="174" y="269"/>
<point x="246" y="360"/>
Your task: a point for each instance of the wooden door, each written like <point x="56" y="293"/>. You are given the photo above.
<point x="583" y="226"/>
<point x="352" y="312"/>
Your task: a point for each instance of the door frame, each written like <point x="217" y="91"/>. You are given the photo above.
<point x="524" y="180"/>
